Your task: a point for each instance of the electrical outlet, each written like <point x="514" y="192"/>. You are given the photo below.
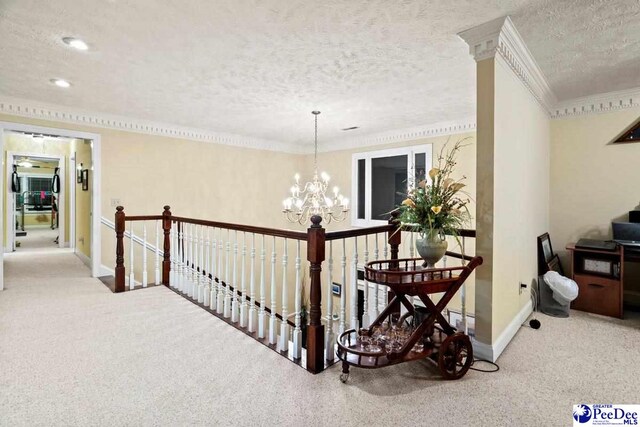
<point x="522" y="287"/>
<point x="115" y="203"/>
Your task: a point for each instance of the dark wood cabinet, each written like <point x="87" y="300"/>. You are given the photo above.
<point x="599" y="275"/>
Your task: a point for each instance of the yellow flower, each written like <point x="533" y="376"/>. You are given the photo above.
<point x="436" y="209"/>
<point x="409" y="202"/>
<point x="433" y="173"/>
<point x="447" y="182"/>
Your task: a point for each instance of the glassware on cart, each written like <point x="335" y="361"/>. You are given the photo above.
<point x="365" y="338"/>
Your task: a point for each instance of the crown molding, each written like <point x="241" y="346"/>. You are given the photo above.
<point x="501" y="37"/>
<point x="599" y="103"/>
<point x="44" y="111"/>
<point x="408" y="134"/>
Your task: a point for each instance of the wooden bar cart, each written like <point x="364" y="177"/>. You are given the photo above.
<point x="438" y="340"/>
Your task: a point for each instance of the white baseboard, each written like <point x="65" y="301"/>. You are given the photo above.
<point x="106" y="271"/>
<point x="493" y="351"/>
<point x="85" y="259"/>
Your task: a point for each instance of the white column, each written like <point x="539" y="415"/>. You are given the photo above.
<point x="284" y="325"/>
<point x="145" y="277"/>
<point x="330" y="339"/>
<point x="227" y="289"/>
<point x="200" y="270"/>
<point x="243" y="299"/>
<point x="220" y="299"/>
<point x="354" y="286"/>
<point x="343" y="289"/>
<point x="297" y="330"/>
<point x="273" y="320"/>
<point x="253" y="315"/>
<point x="214" y="287"/>
<point x="235" y="309"/>
<point x="132" y="278"/>
<point x="365" y="313"/>
<point x="181" y="258"/>
<point x="207" y="269"/>
<point x="262" y="314"/>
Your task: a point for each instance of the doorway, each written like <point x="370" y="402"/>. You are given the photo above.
<point x="36" y="204"/>
<point x="82" y="176"/>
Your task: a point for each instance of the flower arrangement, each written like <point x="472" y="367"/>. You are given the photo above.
<point x="438" y="206"/>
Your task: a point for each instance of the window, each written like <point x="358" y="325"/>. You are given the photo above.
<point x="35" y="188"/>
<point x="380" y="180"/>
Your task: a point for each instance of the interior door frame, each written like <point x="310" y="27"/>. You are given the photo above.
<point x="95" y="183"/>
<point x="62" y="197"/>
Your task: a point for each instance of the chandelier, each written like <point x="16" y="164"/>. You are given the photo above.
<point x="311" y="198"/>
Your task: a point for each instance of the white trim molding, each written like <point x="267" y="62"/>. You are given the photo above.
<point x="56" y="113"/>
<point x="408" y="134"/>
<point x="600" y="103"/>
<point x="493" y="351"/>
<point x="501" y="37"/>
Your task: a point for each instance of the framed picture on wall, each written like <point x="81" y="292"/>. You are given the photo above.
<point x="336" y="289"/>
<point x="79" y="174"/>
<point x="85" y="179"/>
<point x="544" y="243"/>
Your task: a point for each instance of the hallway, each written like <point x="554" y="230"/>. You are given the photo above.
<point x="73" y="353"/>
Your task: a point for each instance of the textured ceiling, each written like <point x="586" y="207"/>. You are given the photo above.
<point x="257" y="68"/>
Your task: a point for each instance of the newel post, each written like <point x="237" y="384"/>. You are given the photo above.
<point x="166" y="261"/>
<point x="119" y="271"/>
<point x="315" y="331"/>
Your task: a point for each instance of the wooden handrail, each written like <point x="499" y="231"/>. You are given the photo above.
<point x="287" y="234"/>
<point x="357" y="232"/>
<point x="144" y="217"/>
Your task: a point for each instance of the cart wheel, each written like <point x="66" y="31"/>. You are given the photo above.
<point x="455" y="356"/>
<point x="344" y="378"/>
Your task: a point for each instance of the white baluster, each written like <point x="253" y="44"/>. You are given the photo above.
<point x="181" y="257"/>
<point x="411" y="245"/>
<point x="227" y="283"/>
<point x="220" y="299"/>
<point x="463" y="294"/>
<point x="197" y="267"/>
<point x="354" y="286"/>
<point x="207" y="269"/>
<point x="214" y="287"/>
<point x="365" y="312"/>
<point x="262" y="314"/>
<point x="144" y="254"/>
<point x="273" y="320"/>
<point x="157" y="252"/>
<point x="172" y="253"/>
<point x="253" y="315"/>
<point x="385" y="250"/>
<point x="235" y="309"/>
<point x="343" y="290"/>
<point x="297" y="330"/>
<point x="200" y="260"/>
<point x="376" y="303"/>
<point x="243" y="299"/>
<point x="190" y="263"/>
<point x="284" y="325"/>
<point x="330" y="339"/>
<point x="132" y="278"/>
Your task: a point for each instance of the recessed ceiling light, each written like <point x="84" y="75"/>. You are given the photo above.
<point x="351" y="128"/>
<point x="60" y="83"/>
<point x="75" y="43"/>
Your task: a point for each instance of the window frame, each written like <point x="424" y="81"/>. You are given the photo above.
<point x="368" y="156"/>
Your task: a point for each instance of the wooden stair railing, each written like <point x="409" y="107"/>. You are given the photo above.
<point x="203" y="267"/>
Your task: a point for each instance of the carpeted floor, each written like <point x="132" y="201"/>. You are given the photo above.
<point x="37" y="239"/>
<point x="73" y="353"/>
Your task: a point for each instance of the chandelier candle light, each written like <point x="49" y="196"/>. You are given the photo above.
<point x="312" y="199"/>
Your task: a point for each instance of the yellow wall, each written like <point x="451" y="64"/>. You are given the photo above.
<point x="82" y="150"/>
<point x="513" y="192"/>
<point x="593" y="182"/>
